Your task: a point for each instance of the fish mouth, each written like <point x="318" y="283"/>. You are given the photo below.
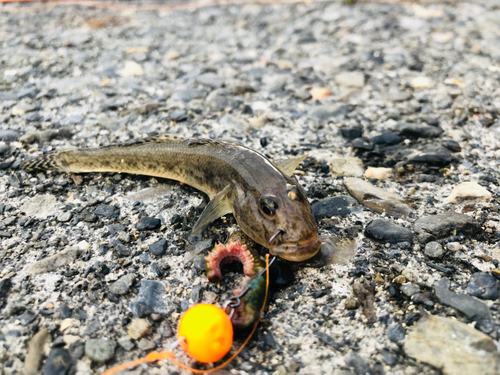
<point x="297" y="252"/>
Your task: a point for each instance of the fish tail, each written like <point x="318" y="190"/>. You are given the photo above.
<point x="51" y="162"/>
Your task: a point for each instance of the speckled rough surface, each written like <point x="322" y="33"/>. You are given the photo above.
<point x="74" y="76"/>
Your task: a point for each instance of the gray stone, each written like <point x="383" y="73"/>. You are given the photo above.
<point x="145" y="344"/>
<point x="211" y="80"/>
<point x="149" y="300"/>
<point x="122" y="285"/>
<point x="196" y="293"/>
<point x="396" y="332"/>
<point x="329" y="112"/>
<point x="100" y="350"/>
<point x="4" y="148"/>
<point x="469" y="306"/>
<point x="126" y="343"/>
<point x="110" y="212"/>
<point x="40" y="206"/>
<point x="9" y="135"/>
<point x="434" y="249"/>
<point x="64" y="217"/>
<point x="410" y="289"/>
<point x="483" y="285"/>
<point x="434" y="227"/>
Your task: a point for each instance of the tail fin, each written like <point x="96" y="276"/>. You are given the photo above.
<point x="43" y="163"/>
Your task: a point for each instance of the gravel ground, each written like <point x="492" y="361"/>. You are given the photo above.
<point x="99" y="267"/>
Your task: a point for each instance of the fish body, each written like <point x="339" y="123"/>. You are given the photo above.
<point x="268" y="204"/>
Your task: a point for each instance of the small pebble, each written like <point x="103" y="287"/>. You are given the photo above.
<point x="145" y="344"/>
<point x="483" y="285"/>
<point x="64" y="217"/>
<point x="126" y="343"/>
<point x="122" y="285"/>
<point x="378" y="173"/>
<point x="396" y="333"/>
<point x="100" y="350"/>
<point x="148" y="223"/>
<point x="410" y="289"/>
<point x="434" y="250"/>
<point x="158" y="248"/>
<point x="454" y="246"/>
<point x="138" y="328"/>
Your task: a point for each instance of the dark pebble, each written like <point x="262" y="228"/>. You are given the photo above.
<point x="58" y="363"/>
<point x="28" y="317"/>
<point x="185" y="305"/>
<point x="196" y="293"/>
<point x="110" y="212"/>
<point x="149" y="300"/>
<point x="88" y="216"/>
<point x="421" y="298"/>
<point x="281" y="274"/>
<point x="122" y="250"/>
<point x="413" y="130"/>
<point x="385" y="231"/>
<point x="76" y="350"/>
<point x="116" y="228"/>
<point x="386" y="138"/>
<point x="144" y="258"/>
<point x="65" y="311"/>
<point x="155" y="268"/>
<point x="452" y="145"/>
<point x="396" y="332"/>
<point x="362" y="144"/>
<point x="430" y="228"/>
<point x="471" y="307"/>
<point x="483" y="285"/>
<point x="270" y="341"/>
<point x="335" y="206"/>
<point x="158" y="248"/>
<point x="430" y="154"/>
<point x="427" y="178"/>
<point x="358" y="364"/>
<point x="388" y="358"/>
<point x="176" y="218"/>
<point x="148" y="223"/>
<point x="321" y="293"/>
<point x="352" y="133"/>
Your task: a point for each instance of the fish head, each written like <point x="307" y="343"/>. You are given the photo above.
<point x="280" y="219"/>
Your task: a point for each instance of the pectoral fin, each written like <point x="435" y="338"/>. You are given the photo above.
<point x="217" y="207"/>
<point x="288" y="166"/>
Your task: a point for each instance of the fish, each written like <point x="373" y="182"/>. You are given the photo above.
<point x="267" y="202"/>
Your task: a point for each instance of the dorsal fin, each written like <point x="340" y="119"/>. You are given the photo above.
<point x="288" y="166"/>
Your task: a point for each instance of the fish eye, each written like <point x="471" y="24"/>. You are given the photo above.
<point x="269" y="205"/>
